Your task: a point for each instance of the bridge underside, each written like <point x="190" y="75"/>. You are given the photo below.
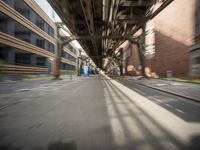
<point x="102" y="25"/>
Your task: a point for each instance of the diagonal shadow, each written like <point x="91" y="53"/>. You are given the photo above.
<point x="183" y="109"/>
<point x="154" y="141"/>
<point x="58" y="145"/>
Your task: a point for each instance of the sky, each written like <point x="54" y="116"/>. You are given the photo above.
<point x="52" y="14"/>
<point x="48" y="10"/>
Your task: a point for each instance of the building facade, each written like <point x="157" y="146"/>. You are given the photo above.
<point x="69" y="59"/>
<point x="28" y="39"/>
<point x="171" y="43"/>
<point x="195" y="49"/>
<point x="173" y="36"/>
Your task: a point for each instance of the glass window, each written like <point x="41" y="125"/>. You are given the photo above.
<point x="40" y="24"/>
<point x="21" y="7"/>
<point x="197" y="60"/>
<point x="12" y="55"/>
<point x="4" y="53"/>
<point x="40" y="43"/>
<point x="22" y="58"/>
<point x="41" y="61"/>
<point x="13" y="28"/>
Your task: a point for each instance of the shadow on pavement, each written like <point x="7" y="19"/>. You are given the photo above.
<point x="149" y="138"/>
<point x="60" y="146"/>
<point x="183" y="109"/>
<point x="8" y="147"/>
<point x="51" y="146"/>
<point x="194" y="143"/>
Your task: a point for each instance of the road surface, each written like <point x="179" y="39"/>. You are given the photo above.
<point x="95" y="113"/>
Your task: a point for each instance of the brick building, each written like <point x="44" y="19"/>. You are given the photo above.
<point x="174" y="33"/>
<point x="195" y="49"/>
<point x="172" y="39"/>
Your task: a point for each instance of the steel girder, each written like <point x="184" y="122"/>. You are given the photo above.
<point x="101" y="25"/>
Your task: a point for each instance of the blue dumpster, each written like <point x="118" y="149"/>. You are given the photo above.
<point x="85" y="71"/>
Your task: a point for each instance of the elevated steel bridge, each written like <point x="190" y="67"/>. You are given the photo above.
<point x="102" y="25"/>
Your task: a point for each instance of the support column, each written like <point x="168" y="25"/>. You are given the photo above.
<point x="120" y="62"/>
<point x="57" y="60"/>
<point x="56" y="68"/>
<point x="141" y="50"/>
<point x="132" y="62"/>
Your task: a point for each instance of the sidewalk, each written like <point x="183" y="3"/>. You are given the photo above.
<point x="8" y="78"/>
<point x="186" y="90"/>
<point x="13" y="91"/>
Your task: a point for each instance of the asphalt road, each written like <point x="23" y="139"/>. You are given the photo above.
<point x="95" y="113"/>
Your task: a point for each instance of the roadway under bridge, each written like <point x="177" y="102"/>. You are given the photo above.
<point x="101" y="26"/>
<point x="101" y="112"/>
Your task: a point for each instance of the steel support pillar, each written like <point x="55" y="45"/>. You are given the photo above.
<point x="121" y="62"/>
<point x="57" y="60"/>
<point x="141" y="49"/>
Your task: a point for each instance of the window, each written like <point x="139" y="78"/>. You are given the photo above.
<point x="3" y="22"/>
<point x="21" y="7"/>
<point x="13" y="28"/>
<point x="40" y="43"/>
<point x="3" y="53"/>
<point x="197" y="60"/>
<point x="40" y="24"/>
<point x="23" y="35"/>
<point x="22" y="58"/>
<point x="41" y="61"/>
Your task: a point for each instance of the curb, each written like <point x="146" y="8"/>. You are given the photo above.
<point x="169" y="92"/>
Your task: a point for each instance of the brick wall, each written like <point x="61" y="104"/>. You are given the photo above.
<point x="170" y="54"/>
<point x="174" y="34"/>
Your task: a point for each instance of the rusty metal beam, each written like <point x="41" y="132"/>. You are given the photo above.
<point x="164" y="5"/>
<point x="114" y="37"/>
<point x="135" y="3"/>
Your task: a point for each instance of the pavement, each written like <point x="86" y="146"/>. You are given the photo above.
<point x="95" y="113"/>
<point x="186" y="90"/>
<point x="10" y="77"/>
<point x="12" y="91"/>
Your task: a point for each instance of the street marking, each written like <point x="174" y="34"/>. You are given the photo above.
<point x="23" y="90"/>
<point x="160" y="84"/>
<point x="168" y="105"/>
<point x="176" y="84"/>
<point x="180" y="111"/>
